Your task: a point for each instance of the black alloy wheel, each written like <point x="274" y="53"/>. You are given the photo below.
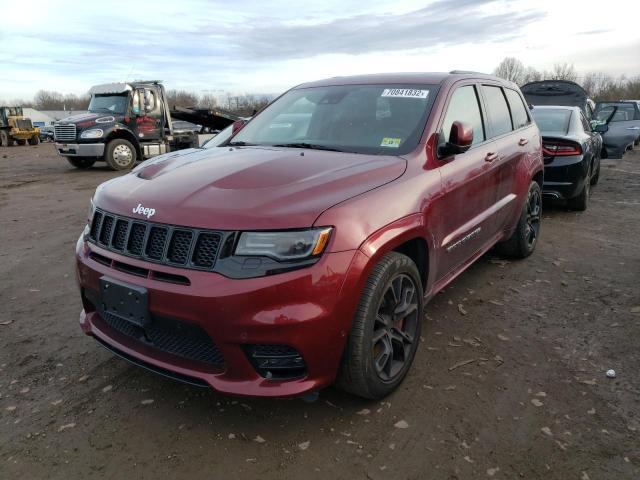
<point x="395" y="325"/>
<point x="534" y="209"/>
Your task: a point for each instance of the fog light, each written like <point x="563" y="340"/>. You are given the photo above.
<point x="278" y="362"/>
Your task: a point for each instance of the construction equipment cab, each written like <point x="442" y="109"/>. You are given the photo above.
<point x="14" y="127"/>
<point x="125" y="122"/>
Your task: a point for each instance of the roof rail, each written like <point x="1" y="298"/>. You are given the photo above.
<point x="466" y="71"/>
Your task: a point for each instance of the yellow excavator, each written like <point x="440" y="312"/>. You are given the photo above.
<point x="14" y="127"/>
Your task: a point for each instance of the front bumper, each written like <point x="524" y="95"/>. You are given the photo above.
<point x="564" y="177"/>
<point x="80" y="149"/>
<point x="309" y="310"/>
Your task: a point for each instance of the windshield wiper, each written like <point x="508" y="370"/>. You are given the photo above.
<point x="240" y="144"/>
<point x="310" y="146"/>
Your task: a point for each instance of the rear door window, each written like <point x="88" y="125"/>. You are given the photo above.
<point x="497" y="110"/>
<point x="518" y="110"/>
<point x="464" y="107"/>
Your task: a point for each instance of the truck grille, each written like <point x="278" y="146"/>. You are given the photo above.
<point x="64" y="132"/>
<point x="158" y="243"/>
<point x="24" y="124"/>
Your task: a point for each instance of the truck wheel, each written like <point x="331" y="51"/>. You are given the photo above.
<point x="5" y="139"/>
<point x="523" y="240"/>
<point x="81" y="162"/>
<point x="34" y="140"/>
<point x="120" y="154"/>
<point x="21" y="142"/>
<point x="385" y="332"/>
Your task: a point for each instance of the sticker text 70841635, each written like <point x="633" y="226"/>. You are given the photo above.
<point x="404" y="93"/>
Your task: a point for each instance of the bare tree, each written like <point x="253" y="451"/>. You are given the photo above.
<point x="564" y="71"/>
<point x="48" y="100"/>
<point x="510" y="69"/>
<point x="208" y="101"/>
<point x="531" y="75"/>
<point x="181" y="98"/>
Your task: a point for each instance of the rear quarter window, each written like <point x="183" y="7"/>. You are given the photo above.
<point x="497" y="110"/>
<point x="518" y="110"/>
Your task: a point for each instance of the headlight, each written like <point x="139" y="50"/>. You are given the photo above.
<point x="93" y="133"/>
<point x="284" y="246"/>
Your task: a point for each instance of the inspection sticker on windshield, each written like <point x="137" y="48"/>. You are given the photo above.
<point x="390" y="142"/>
<point x="404" y="93"/>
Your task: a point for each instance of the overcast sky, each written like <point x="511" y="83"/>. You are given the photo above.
<point x="266" y="47"/>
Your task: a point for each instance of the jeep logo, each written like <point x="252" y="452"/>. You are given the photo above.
<point x="147" y="212"/>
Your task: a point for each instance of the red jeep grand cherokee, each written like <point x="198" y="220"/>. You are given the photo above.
<point x="302" y="253"/>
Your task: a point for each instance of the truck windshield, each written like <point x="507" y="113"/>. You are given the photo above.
<point x="109" y="103"/>
<point x="372" y="119"/>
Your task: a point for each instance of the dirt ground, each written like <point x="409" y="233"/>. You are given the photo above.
<point x="532" y="402"/>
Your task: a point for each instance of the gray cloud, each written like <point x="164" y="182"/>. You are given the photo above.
<point x="443" y="22"/>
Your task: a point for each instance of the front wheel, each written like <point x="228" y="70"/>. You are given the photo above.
<point x="5" y="139"/>
<point x="385" y="332"/>
<point x="120" y="154"/>
<point x="34" y="140"/>
<point x="523" y="240"/>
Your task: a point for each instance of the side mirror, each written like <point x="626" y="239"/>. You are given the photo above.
<point x="237" y="126"/>
<point x="460" y="139"/>
<point x="601" y="128"/>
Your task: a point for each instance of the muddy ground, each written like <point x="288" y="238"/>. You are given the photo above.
<point x="534" y="401"/>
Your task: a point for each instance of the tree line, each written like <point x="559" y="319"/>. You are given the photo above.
<point x="243" y="105"/>
<point x="599" y="86"/>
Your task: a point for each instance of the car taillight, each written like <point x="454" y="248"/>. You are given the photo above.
<point x="561" y="149"/>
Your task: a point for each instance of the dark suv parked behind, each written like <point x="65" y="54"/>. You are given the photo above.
<point x="302" y="253"/>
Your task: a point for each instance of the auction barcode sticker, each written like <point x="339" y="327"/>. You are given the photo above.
<point x="405" y="93"/>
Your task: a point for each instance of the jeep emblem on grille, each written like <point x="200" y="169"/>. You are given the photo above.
<point x="147" y="212"/>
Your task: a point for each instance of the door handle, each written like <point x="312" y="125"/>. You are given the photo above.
<point x="523" y="142"/>
<point x="490" y="157"/>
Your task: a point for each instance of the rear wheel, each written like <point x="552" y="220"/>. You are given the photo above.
<point x="385" y="332"/>
<point x="523" y="240"/>
<point x="81" y="162"/>
<point x="120" y="154"/>
<point x="34" y="140"/>
<point x="581" y="202"/>
<point x="5" y="139"/>
<point x="596" y="177"/>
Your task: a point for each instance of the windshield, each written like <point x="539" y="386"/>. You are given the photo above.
<point x="220" y="138"/>
<point x="374" y="119"/>
<point x="552" y="121"/>
<point x="109" y="103"/>
<point x="624" y="112"/>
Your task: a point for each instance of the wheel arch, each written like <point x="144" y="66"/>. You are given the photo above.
<point x="408" y="236"/>
<point x="124" y="134"/>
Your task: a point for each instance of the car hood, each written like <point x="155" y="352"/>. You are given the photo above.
<point x="246" y="188"/>
<point x="89" y="118"/>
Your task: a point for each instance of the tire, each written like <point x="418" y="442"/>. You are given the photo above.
<point x="580" y="202"/>
<point x="34" y="140"/>
<point x="398" y="330"/>
<point x="596" y="177"/>
<point x="81" y="162"/>
<point x="21" y="142"/>
<point x="5" y="139"/>
<point x="523" y="241"/>
<point x="120" y="154"/>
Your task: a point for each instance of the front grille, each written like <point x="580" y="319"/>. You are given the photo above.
<point x="64" y="132"/>
<point x="154" y="242"/>
<point x="171" y="336"/>
<point x="24" y="124"/>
